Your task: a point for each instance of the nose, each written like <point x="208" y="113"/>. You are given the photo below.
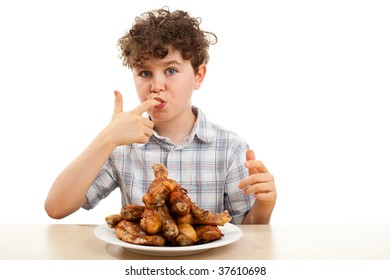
<point x="158" y="84"/>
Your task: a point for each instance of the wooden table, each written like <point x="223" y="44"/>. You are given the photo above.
<point x="259" y="242"/>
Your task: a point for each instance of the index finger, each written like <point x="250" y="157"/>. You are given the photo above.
<point x="143" y="107"/>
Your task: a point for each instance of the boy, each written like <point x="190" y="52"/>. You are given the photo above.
<point x="167" y="53"/>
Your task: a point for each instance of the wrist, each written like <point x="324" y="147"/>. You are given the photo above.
<point x="106" y="141"/>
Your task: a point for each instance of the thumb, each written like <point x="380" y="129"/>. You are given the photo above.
<point x="250" y="155"/>
<point x="118" y="108"/>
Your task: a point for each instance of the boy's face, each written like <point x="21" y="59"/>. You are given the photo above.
<point x="170" y="80"/>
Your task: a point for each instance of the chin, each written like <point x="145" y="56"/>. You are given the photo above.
<point x="158" y="115"/>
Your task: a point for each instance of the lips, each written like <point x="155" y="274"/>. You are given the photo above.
<point x="161" y="105"/>
<point x="159" y="99"/>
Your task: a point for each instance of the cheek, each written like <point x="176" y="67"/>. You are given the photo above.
<point x="184" y="88"/>
<point x="142" y="91"/>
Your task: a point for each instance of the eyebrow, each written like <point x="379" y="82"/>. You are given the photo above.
<point x="171" y="62"/>
<point x="164" y="64"/>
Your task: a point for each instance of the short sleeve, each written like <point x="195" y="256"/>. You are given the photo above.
<point x="236" y="202"/>
<point x="103" y="185"/>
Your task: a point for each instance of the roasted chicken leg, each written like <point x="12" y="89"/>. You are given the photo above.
<point x="151" y="221"/>
<point x="132" y="233"/>
<point x="157" y="192"/>
<point x="179" y="202"/>
<point x="207" y="233"/>
<point x="132" y="212"/>
<point x="169" y="226"/>
<point x="199" y="216"/>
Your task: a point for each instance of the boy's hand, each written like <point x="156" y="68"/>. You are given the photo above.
<point x="260" y="182"/>
<point x="130" y="127"/>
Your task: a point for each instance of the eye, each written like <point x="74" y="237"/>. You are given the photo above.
<point x="171" y="71"/>
<point x="145" y="74"/>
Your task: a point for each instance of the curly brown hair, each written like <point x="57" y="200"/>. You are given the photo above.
<point x="155" y="32"/>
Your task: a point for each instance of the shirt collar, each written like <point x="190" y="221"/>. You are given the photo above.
<point x="203" y="130"/>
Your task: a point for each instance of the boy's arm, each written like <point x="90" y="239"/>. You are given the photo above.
<point x="68" y="191"/>
<point x="260" y="213"/>
<point x="260" y="183"/>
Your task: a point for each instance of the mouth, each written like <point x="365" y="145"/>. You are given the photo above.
<point x="161" y="105"/>
<point x="159" y="99"/>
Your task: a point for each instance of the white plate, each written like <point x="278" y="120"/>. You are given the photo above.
<point x="231" y="233"/>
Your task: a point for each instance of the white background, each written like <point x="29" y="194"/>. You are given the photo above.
<point x="306" y="83"/>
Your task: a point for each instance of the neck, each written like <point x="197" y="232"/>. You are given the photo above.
<point x="178" y="128"/>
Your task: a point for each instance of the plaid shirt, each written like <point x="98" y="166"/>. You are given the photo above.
<point x="209" y="164"/>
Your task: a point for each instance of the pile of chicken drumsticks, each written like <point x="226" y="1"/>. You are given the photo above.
<point x="169" y="217"/>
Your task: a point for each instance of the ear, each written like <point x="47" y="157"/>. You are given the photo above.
<point x="199" y="76"/>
